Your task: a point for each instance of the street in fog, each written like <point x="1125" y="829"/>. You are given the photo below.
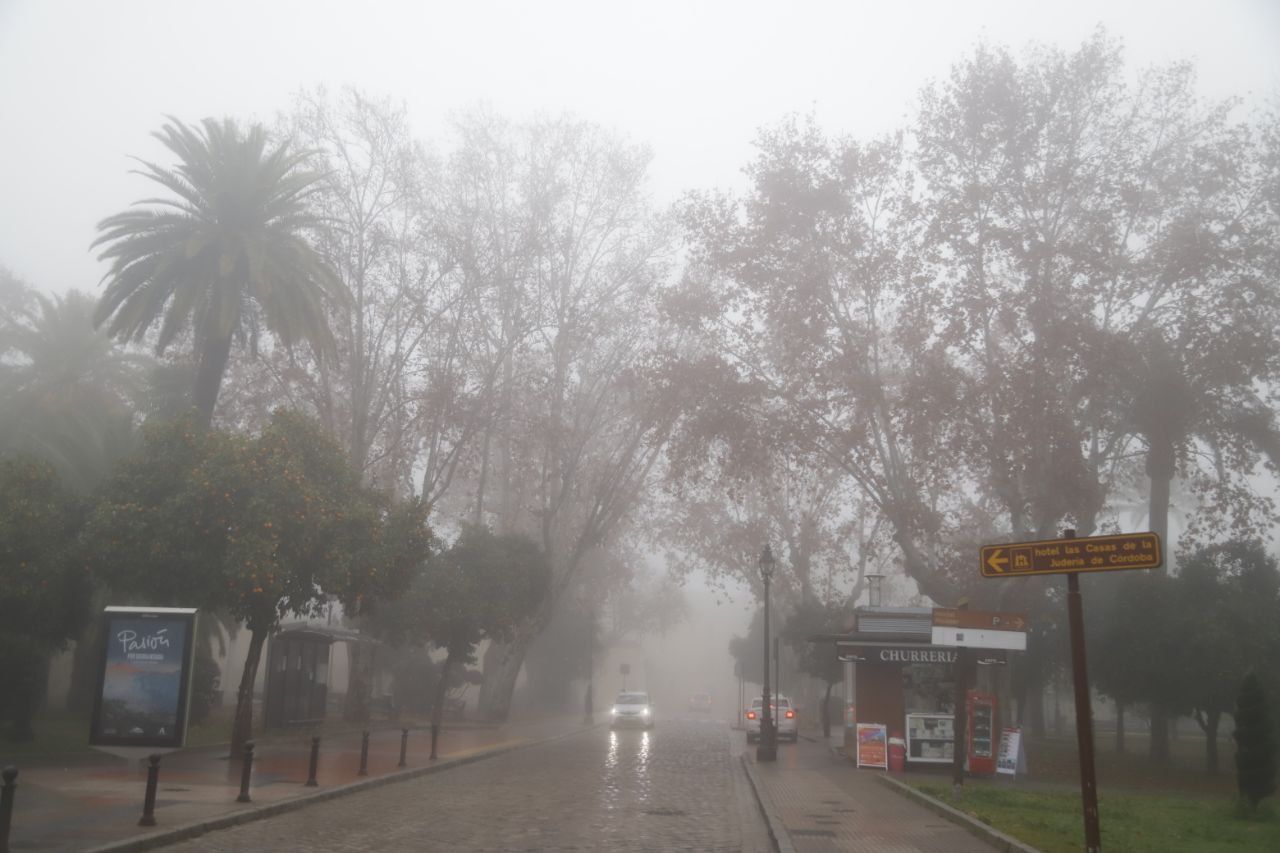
<point x="869" y="410"/>
<point x="677" y="787"/>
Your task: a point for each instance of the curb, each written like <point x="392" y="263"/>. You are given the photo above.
<point x="989" y="834"/>
<point x="198" y="828"/>
<point x="777" y="832"/>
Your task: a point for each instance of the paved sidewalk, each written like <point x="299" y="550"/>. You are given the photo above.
<point x="95" y="802"/>
<point x="824" y="804"/>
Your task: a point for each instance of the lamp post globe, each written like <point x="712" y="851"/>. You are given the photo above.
<point x="767" y="749"/>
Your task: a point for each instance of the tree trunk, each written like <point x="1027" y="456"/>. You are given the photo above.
<point x="355" y="709"/>
<point x="213" y="364"/>
<point x="1210" y="727"/>
<point x="27" y="684"/>
<point x="1119" y="728"/>
<point x="437" y="707"/>
<point x="1035" y="712"/>
<point x="85" y="659"/>
<point x="1057" y="707"/>
<point x="242" y="727"/>
<point x="826" y="711"/>
<point x="502" y="664"/>
<point x="1158" y="753"/>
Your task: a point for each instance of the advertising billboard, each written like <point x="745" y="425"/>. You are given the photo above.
<point x="144" y="682"/>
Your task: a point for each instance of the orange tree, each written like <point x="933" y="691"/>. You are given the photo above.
<point x="260" y="527"/>
<point x="44" y="593"/>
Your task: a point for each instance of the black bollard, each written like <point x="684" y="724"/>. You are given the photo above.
<point x="10" y="775"/>
<point x="435" y="734"/>
<point x="245" y="772"/>
<point x="149" y="801"/>
<point x="404" y="747"/>
<point x="364" y="754"/>
<point x="315" y="761"/>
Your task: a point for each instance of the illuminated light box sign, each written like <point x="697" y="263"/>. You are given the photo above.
<point x="144" y="682"/>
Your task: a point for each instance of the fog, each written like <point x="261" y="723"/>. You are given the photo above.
<point x="83" y="84"/>
<point x="511" y="335"/>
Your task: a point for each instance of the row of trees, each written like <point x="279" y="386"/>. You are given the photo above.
<point x="1189" y="641"/>
<point x="1051" y="297"/>
<point x="251" y="530"/>
<point x="1049" y="302"/>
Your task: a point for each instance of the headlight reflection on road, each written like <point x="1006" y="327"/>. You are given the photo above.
<point x="644" y="748"/>
<point x="612" y="760"/>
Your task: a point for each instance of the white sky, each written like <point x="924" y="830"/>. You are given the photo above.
<point x="82" y="84"/>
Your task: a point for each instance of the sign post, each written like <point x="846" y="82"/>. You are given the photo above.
<point x="1084" y="713"/>
<point x="1073" y="557"/>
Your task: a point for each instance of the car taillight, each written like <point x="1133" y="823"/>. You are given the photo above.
<point x="751" y="715"/>
<point x="790" y="714"/>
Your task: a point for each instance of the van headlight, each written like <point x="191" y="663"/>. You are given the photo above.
<point x="613" y="711"/>
<point x="644" y="712"/>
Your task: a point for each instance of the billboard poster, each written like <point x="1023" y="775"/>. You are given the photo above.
<point x="873" y="745"/>
<point x="1011" y="759"/>
<point x="144" y="682"/>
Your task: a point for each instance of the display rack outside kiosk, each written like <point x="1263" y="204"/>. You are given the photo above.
<point x="930" y="738"/>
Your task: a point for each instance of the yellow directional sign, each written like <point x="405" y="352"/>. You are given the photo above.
<point x="1071" y="556"/>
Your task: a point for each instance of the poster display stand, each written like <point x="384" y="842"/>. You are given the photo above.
<point x="873" y="745"/>
<point x="1012" y="759"/>
<point x="144" y="680"/>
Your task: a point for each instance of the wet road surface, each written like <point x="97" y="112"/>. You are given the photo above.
<point x="677" y="787"/>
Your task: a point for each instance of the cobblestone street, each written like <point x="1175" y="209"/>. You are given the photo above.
<point x="678" y="787"/>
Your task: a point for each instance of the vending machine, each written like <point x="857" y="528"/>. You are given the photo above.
<point x="983" y="733"/>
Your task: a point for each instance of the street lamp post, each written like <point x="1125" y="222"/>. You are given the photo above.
<point x="768" y="747"/>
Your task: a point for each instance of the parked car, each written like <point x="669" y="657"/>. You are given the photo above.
<point x="632" y="708"/>
<point x="700" y="702"/>
<point x="784" y="717"/>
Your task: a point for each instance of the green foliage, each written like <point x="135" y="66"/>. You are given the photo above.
<point x="748" y="651"/>
<point x="204" y="680"/>
<point x="257" y="527"/>
<point x="480" y="587"/>
<point x="253" y="527"/>
<point x="1228" y="596"/>
<point x="44" y="590"/>
<point x="1051" y="820"/>
<point x="807" y="620"/>
<point x="413" y="679"/>
<point x="1138" y="656"/>
<point x="66" y="389"/>
<point x="1185" y="642"/>
<point x="1255" y="743"/>
<point x="559" y="655"/>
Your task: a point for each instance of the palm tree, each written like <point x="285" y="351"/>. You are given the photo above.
<point x="67" y="391"/>
<point x="223" y="255"/>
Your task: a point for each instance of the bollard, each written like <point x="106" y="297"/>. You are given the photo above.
<point x="435" y="734"/>
<point x="364" y="754"/>
<point x="149" y="801"/>
<point x="245" y="772"/>
<point x="6" y="805"/>
<point x="404" y="747"/>
<point x="315" y="760"/>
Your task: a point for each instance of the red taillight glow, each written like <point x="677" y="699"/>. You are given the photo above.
<point x="790" y="714"/>
<point x="751" y="715"/>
